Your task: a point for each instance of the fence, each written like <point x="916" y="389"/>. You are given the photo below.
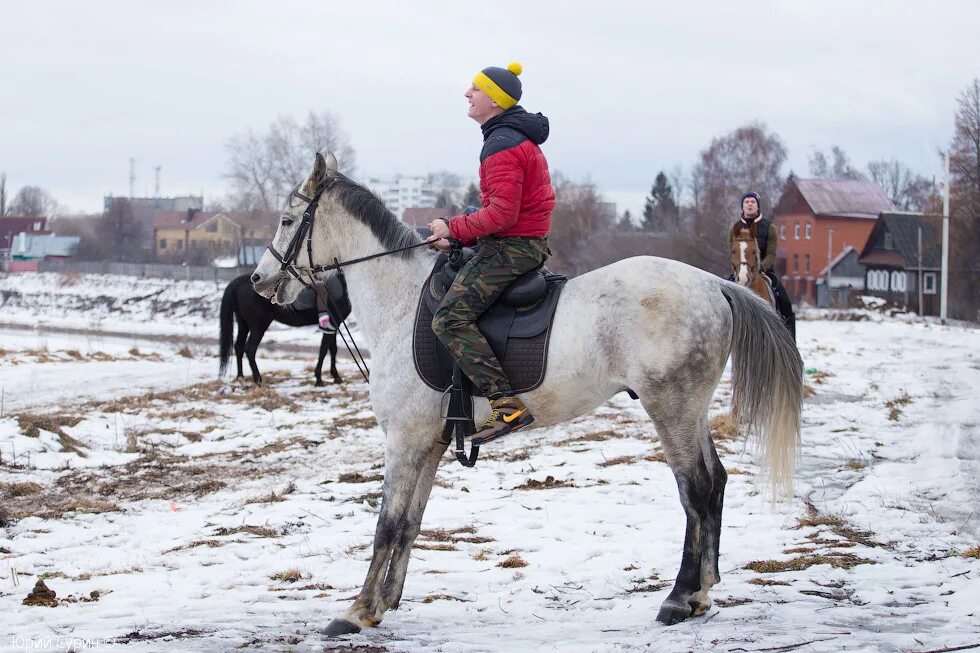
<point x="157" y="270"/>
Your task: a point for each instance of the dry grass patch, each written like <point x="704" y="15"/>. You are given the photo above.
<point x="723" y="428"/>
<point x="895" y="406"/>
<point x="808" y="390"/>
<point x="598" y="436"/>
<point x="425" y="546"/>
<point x="291" y="575"/>
<point x="547" y="484"/>
<point x="766" y="582"/>
<point x="211" y="544"/>
<point x="836" y="560"/>
<point x="456" y="535"/>
<point x="443" y="597"/>
<point x="837" y="525"/>
<point x="357" y="477"/>
<point x="972" y="552"/>
<point x="27" y="499"/>
<point x="657" y="457"/>
<point x="273" y="496"/>
<point x="652" y="583"/>
<point x="820" y="376"/>
<point x="260" y="531"/>
<point x="512" y="562"/>
<point x="185" y="351"/>
<point x="621" y="460"/>
<point x="354" y="422"/>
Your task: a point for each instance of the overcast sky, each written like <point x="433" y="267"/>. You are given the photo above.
<point x="629" y="87"/>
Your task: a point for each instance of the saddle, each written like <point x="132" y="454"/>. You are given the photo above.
<point x="517" y="326"/>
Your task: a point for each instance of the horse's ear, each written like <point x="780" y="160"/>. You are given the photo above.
<point x="330" y="161"/>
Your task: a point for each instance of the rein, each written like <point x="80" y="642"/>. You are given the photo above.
<point x="306" y="275"/>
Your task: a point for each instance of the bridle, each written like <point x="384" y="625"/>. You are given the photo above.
<point x="306" y="275"/>
<point x="288" y="259"/>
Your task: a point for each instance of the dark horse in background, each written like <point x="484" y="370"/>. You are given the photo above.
<point x="255" y="313"/>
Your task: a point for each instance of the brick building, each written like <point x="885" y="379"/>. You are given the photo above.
<point x="817" y="219"/>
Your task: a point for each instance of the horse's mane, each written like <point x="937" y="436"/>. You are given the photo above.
<point x="366" y="207"/>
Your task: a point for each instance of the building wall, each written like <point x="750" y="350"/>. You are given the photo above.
<point x="403" y="192"/>
<point x="811" y="252"/>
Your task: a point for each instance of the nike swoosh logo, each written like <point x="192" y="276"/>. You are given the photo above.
<point x="510" y="418"/>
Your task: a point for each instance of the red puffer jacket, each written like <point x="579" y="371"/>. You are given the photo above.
<point x="515" y="184"/>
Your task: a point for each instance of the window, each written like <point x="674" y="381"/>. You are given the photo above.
<point x="808" y="225"/>
<point x="163" y="243"/>
<point x="211" y="228"/>
<point x="878" y="280"/>
<point x="796" y="262"/>
<point x="37" y="226"/>
<point x="806" y="260"/>
<point x="929" y="283"/>
<point x="898" y="281"/>
<point x="782" y="232"/>
<point x="796" y="231"/>
<point x="889" y="241"/>
<point x="180" y="245"/>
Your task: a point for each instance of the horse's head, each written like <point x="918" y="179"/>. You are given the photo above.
<point x="745" y="256"/>
<point x="289" y="255"/>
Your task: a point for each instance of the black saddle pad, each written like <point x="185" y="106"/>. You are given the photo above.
<point x="518" y="335"/>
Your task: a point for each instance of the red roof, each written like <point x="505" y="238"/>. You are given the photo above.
<point x="11" y="226"/>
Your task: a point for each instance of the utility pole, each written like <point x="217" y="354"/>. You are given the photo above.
<point x="132" y="176"/>
<point x="919" y="282"/>
<point x="945" y="271"/>
<point x="156" y="189"/>
<point x="830" y="258"/>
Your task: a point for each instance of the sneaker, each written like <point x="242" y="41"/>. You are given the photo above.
<point x="507" y="414"/>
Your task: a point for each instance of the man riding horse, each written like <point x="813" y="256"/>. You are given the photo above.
<point x="511" y="231"/>
<point x="767" y="239"/>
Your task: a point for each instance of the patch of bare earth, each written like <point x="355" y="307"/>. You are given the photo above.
<point x="548" y="483"/>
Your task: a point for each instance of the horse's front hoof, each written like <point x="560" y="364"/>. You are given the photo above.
<point x="340" y="627"/>
<point x="318" y="384"/>
<point x="673" y="613"/>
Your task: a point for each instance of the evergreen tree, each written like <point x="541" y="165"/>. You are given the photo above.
<point x="625" y="222"/>
<point x="472" y="197"/>
<point x="660" y="212"/>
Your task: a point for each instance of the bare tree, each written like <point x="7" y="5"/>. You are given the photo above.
<point x="91" y="246"/>
<point x="120" y="232"/>
<point x="908" y="190"/>
<point x="3" y="194"/>
<point x="32" y="201"/>
<point x="579" y="219"/>
<point x="965" y="206"/>
<point x="447" y="188"/>
<point x="837" y="167"/>
<point x="748" y="158"/>
<point x="264" y="168"/>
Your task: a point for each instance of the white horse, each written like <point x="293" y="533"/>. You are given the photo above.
<point x="658" y="327"/>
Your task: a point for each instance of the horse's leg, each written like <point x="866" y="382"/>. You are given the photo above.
<point x="319" y="361"/>
<point x="240" y="339"/>
<point x="395" y="579"/>
<point x="333" y="359"/>
<point x="252" y="346"/>
<point x="404" y="462"/>
<point x="682" y="432"/>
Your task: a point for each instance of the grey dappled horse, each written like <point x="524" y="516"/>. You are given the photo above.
<point x="656" y="326"/>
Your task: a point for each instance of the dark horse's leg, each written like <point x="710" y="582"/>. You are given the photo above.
<point x="333" y="358"/>
<point x="324" y="347"/>
<point x="701" y="482"/>
<point x="328" y="344"/>
<point x="240" y="339"/>
<point x="252" y="345"/>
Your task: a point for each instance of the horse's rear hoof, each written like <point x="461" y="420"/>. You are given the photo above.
<point x="318" y="384"/>
<point x="340" y="627"/>
<point x="673" y="613"/>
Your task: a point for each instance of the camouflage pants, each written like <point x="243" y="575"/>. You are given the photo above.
<point x="477" y="286"/>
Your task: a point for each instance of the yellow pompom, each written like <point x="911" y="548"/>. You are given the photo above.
<point x="515" y="68"/>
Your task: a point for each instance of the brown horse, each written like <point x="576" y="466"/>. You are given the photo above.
<point x="746" y="265"/>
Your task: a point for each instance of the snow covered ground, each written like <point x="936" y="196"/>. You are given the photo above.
<point x="209" y="518"/>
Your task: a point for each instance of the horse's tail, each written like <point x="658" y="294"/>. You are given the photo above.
<point x="767" y="383"/>
<point x="229" y="303"/>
